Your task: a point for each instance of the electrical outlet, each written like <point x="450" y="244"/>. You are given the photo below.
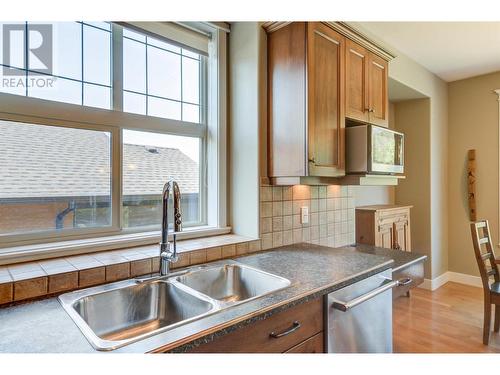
<point x="304" y="215"/>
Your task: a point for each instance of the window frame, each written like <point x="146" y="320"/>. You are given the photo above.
<point x="211" y="130"/>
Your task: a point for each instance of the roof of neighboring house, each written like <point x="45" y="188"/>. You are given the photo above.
<point x="46" y="161"/>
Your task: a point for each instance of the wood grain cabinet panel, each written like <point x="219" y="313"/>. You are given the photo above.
<point x="312" y="345"/>
<point x="306" y="83"/>
<point x="377" y="91"/>
<point x="277" y="334"/>
<point x="356" y="93"/>
<point x="325" y="68"/>
<point x="366" y="86"/>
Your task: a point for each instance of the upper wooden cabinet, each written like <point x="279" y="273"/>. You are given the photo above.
<point x="306" y="101"/>
<point x="356" y="93"/>
<point x="366" y="85"/>
<point x="377" y="91"/>
<point x="319" y="74"/>
<point x="325" y="95"/>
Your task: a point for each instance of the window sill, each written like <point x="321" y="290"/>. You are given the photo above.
<point x="18" y="254"/>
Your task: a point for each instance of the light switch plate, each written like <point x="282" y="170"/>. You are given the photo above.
<point x="304" y="215"/>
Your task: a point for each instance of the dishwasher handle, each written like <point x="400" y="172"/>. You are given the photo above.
<point x="345" y="306"/>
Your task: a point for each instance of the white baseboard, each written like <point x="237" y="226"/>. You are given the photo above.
<point x="433" y="284"/>
<point x="461" y="278"/>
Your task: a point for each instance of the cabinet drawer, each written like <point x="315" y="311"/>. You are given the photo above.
<point x="415" y="272"/>
<point x="289" y="328"/>
<point x="393" y="213"/>
<point x="313" y="344"/>
<point x="392" y="219"/>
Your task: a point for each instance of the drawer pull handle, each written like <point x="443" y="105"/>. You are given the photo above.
<point x="404" y="281"/>
<point x="295" y="326"/>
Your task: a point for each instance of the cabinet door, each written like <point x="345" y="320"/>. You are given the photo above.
<point x="356" y="85"/>
<point x="385" y="236"/>
<point x="377" y="91"/>
<point x="325" y="100"/>
<point x="401" y="235"/>
<point x="312" y="345"/>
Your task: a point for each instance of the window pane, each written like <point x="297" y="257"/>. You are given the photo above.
<point x="164" y="74"/>
<point x="150" y="160"/>
<point x="53" y="178"/>
<point x="164" y="108"/>
<point x="96" y="96"/>
<point x="164" y="45"/>
<point x="101" y="25"/>
<point x="190" y="80"/>
<point x="134" y="66"/>
<point x="53" y="88"/>
<point x="13" y="83"/>
<point x="134" y="103"/>
<point x="190" y="112"/>
<point x="16" y="50"/>
<point x="133" y="35"/>
<point x="193" y="55"/>
<point x="67" y="50"/>
<point x="96" y="55"/>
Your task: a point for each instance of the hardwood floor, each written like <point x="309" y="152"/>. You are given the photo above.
<point x="448" y="320"/>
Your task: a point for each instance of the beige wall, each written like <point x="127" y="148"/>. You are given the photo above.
<point x="473" y="116"/>
<point x="413" y="119"/>
<point x="413" y="75"/>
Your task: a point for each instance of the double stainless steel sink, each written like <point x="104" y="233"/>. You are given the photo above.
<point x="117" y="314"/>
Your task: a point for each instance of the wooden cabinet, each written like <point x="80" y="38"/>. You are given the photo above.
<point x="319" y="74"/>
<point x="366" y="86"/>
<point x="356" y="83"/>
<point x="306" y="101"/>
<point x="298" y="329"/>
<point x="384" y="226"/>
<point x="401" y="234"/>
<point x="312" y="345"/>
<point x="378" y="100"/>
<point x="325" y="96"/>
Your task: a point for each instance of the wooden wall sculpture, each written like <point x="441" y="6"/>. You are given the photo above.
<point x="471" y="182"/>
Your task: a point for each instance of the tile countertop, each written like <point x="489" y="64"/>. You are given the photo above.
<point x="44" y="326"/>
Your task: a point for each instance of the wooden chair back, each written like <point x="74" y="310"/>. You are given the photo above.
<point x="483" y="249"/>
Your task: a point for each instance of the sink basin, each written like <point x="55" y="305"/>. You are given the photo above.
<point x="113" y="315"/>
<point x="116" y="317"/>
<point x="232" y="283"/>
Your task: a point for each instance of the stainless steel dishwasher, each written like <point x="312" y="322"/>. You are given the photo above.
<point x="359" y="316"/>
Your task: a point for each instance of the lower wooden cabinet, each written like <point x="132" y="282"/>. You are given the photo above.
<point x="312" y="345"/>
<point x="384" y="226"/>
<point x="298" y="329"/>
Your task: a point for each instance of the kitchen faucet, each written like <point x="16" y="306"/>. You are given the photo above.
<point x="168" y="250"/>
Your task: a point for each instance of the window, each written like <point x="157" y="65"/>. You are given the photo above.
<point x="148" y="161"/>
<point x="69" y="171"/>
<point x="53" y="178"/>
<point x="160" y="79"/>
<point x="81" y="63"/>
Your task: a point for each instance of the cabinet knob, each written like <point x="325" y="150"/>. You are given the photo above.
<point x="371" y="110"/>
<point x="312" y="160"/>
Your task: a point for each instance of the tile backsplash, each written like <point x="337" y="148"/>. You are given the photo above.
<point x="331" y="215"/>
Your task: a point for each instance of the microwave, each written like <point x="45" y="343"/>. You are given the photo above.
<point x="374" y="150"/>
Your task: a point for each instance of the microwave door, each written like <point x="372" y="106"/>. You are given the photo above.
<point x="386" y="151"/>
